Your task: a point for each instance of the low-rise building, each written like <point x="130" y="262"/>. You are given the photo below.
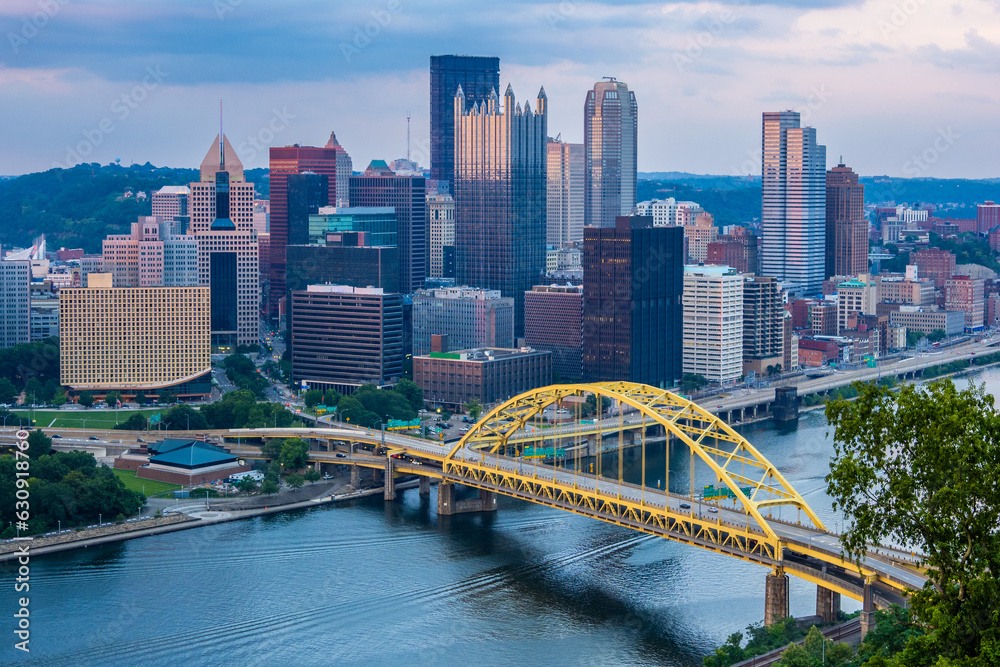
<point x="965" y="294"/>
<point x="470" y="317"/>
<point x="490" y="375"/>
<point x="189" y="462"/>
<point x="926" y="320"/>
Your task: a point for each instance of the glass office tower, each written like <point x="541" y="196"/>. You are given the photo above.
<point x="477" y="76"/>
<point x="610" y="139"/>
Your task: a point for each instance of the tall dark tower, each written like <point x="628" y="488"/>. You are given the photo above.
<point x="610" y="144"/>
<point x="477" y="76"/>
<point x="222" y="222"/>
<point x="846" y="225"/>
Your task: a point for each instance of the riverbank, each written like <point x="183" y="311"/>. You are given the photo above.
<point x="183" y="520"/>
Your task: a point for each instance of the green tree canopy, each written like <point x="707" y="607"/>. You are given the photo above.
<point x="474" y="409"/>
<point x="312" y="398"/>
<point x="86" y="399"/>
<point x="112" y="398"/>
<point x="412" y="392"/>
<point x="7" y="391"/>
<point x="39" y="444"/>
<point x="937" y="335"/>
<point x="294" y="453"/>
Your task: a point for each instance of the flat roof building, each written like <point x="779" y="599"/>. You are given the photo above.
<point x="713" y="322"/>
<point x="553" y="321"/>
<point x="469" y="316"/>
<point x="490" y="375"/>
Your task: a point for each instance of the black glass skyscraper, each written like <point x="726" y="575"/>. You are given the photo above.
<point x="500" y="195"/>
<point x="477" y="75"/>
<point x="306" y="193"/>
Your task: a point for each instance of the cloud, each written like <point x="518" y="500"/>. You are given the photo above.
<point x="980" y="54"/>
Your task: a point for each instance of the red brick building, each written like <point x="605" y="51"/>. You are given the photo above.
<point x="934" y="264"/>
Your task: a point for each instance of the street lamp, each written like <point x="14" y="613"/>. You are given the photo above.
<point x="100" y="522"/>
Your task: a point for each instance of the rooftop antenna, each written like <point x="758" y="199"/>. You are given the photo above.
<point x="407" y="136"/>
<point x="222" y="152"/>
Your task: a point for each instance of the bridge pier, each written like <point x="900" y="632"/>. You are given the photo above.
<point x="867" y="610"/>
<point x="425" y="486"/>
<point x="389" y="491"/>
<point x="447" y="505"/>
<point x="827" y="604"/>
<point x="776" y="597"/>
<point x="355" y="477"/>
<point x="786" y="404"/>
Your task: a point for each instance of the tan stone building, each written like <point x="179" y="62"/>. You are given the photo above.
<point x="134" y="339"/>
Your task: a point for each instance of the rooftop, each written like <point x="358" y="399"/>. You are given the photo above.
<point x="193" y="454"/>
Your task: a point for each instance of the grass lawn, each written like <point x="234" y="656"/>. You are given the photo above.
<point x="96" y="419"/>
<point x="148" y="486"/>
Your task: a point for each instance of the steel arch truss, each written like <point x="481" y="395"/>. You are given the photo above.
<point x="734" y="461"/>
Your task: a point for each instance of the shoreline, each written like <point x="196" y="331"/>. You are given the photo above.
<point x="216" y="516"/>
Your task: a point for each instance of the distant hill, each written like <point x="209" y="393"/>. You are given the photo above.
<point x="78" y="207"/>
<point x="730" y="206"/>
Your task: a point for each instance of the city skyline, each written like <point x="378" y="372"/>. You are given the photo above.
<point x="707" y="68"/>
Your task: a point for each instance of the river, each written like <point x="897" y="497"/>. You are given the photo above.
<point x="374" y="583"/>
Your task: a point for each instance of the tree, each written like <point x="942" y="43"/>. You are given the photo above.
<point x="135" y="422"/>
<point x="937" y="335"/>
<point x="269" y="487"/>
<point x="112" y="398"/>
<point x="168" y="396"/>
<point x="352" y="411"/>
<point x="474" y="408"/>
<point x="294" y="453"/>
<point x="246" y="484"/>
<point x="295" y="481"/>
<point x="590" y="405"/>
<point x="331" y="397"/>
<point x="60" y="397"/>
<point x="7" y="391"/>
<point x="272" y="448"/>
<point x="913" y="337"/>
<point x="86" y="399"/>
<point x="312" y="398"/>
<point x="312" y="475"/>
<point x="183" y="418"/>
<point x="412" y="392"/>
<point x="140" y="399"/>
<point x="39" y="444"/>
<point x="908" y="467"/>
<point x="692" y="382"/>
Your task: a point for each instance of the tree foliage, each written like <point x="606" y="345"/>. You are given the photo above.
<point x="692" y="382"/>
<point x="474" y="409"/>
<point x="86" y="399"/>
<point x="312" y="398"/>
<point x="919" y="468"/>
<point x="27" y="361"/>
<point x="39" y="444"/>
<point x="243" y="374"/>
<point x="412" y="392"/>
<point x="294" y="453"/>
<point x="8" y="393"/>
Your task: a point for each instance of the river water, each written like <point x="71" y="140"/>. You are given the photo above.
<point x="374" y="583"/>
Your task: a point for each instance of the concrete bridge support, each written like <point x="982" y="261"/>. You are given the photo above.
<point x="786" y="404"/>
<point x="867" y="610"/>
<point x="390" y="483"/>
<point x="355" y="477"/>
<point x="776" y="597"/>
<point x="447" y="505"/>
<point x="425" y="486"/>
<point x="827" y="604"/>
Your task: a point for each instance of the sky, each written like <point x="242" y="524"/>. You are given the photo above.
<point x="896" y="87"/>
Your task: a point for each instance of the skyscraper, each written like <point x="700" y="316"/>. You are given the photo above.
<point x="380" y="187"/>
<point x="610" y="138"/>
<point x="345" y="170"/>
<point x="846" y="226"/>
<point x="564" y="212"/>
<point x="633" y="275"/>
<point x="476" y="76"/>
<point x="15" y="301"/>
<point x="793" y="215"/>
<point x="713" y="322"/>
<point x="286" y="161"/>
<point x="222" y="222"/>
<point x="500" y="195"/>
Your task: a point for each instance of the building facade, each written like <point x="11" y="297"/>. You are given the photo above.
<point x="855" y="297"/>
<point x="611" y="140"/>
<point x="151" y="256"/>
<point x="713" y="323"/>
<point x="134" y="339"/>
<point x="15" y="302"/>
<point x="440" y="232"/>
<point x="564" y="210"/>
<point x="477" y="76"/>
<point x="344" y="337"/>
<point x="846" y="225"/>
<point x="763" y="324"/>
<point x="927" y="320"/>
<point x="934" y="264"/>
<point x="406" y="194"/>
<point x="793" y="191"/>
<point x="470" y="318"/>
<point x="553" y="321"/>
<point x="171" y="204"/>
<point x="632" y="310"/>
<point x="489" y="375"/>
<point x="987" y="217"/>
<point x="500" y="195"/>
<point x="965" y="295"/>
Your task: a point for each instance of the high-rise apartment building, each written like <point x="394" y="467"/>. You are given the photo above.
<point x="564" y="210"/>
<point x="632" y="310"/>
<point x="934" y="264"/>
<point x="500" y="195"/>
<point x="793" y="215"/>
<point x="987" y="217"/>
<point x="470" y="318"/>
<point x="553" y="321"/>
<point x="380" y="187"/>
<point x="477" y="76"/>
<point x="343" y="337"/>
<point x="855" y="297"/>
<point x="610" y="139"/>
<point x="151" y="256"/>
<point x="713" y="322"/>
<point x="440" y="232"/>
<point x="170" y="204"/>
<point x="763" y="324"/>
<point x="222" y="206"/>
<point x="135" y="339"/>
<point x="965" y="295"/>
<point x="285" y="162"/>
<point x="15" y="302"/>
<point x="846" y="226"/>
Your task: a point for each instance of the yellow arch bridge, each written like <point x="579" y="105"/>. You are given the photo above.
<point x="758" y="517"/>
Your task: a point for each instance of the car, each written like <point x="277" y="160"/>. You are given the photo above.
<point x="341" y="455"/>
<point x="93" y="437"/>
<point x="56" y="435"/>
<point x="685" y="506"/>
<point x="713" y="510"/>
<point x="139" y="440"/>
